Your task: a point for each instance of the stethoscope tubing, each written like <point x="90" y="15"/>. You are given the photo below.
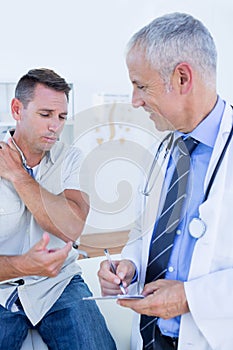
<point x="147" y="190"/>
<point x="169" y="137"/>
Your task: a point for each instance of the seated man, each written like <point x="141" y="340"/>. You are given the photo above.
<point x="42" y="212"/>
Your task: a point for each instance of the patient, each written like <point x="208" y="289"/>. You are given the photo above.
<point x="43" y="210"/>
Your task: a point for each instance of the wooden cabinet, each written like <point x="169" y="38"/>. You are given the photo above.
<point x="94" y="244"/>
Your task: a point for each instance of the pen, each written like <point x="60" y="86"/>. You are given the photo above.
<point x="112" y="267"/>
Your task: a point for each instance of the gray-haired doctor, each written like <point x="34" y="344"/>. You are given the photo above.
<point x="172" y="66"/>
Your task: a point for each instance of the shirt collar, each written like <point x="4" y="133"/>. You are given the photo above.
<point x="50" y="155"/>
<point x="211" y="123"/>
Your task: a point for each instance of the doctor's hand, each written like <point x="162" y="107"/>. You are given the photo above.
<point x="109" y="282"/>
<point x="163" y="298"/>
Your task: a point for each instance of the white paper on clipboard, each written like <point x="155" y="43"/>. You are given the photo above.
<point x="118" y="296"/>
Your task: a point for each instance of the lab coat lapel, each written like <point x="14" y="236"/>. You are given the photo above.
<point x="151" y="205"/>
<point x="210" y="210"/>
<point x="225" y="128"/>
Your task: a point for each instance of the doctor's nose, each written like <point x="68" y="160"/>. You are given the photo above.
<point x="137" y="101"/>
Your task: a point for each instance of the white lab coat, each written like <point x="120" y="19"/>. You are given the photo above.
<point x="209" y="289"/>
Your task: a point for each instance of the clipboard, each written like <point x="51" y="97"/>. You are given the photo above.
<point x="118" y="296"/>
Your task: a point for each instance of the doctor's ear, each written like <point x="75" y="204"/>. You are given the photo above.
<point x="183" y="76"/>
<point x="16" y="108"/>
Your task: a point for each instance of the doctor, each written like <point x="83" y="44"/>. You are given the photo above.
<point x="172" y="66"/>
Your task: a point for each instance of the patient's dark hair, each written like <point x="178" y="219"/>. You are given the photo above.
<point x="25" y="88"/>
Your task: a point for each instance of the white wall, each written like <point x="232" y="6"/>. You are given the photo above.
<point x="85" y="40"/>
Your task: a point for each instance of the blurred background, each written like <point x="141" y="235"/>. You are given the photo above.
<point x="84" y="41"/>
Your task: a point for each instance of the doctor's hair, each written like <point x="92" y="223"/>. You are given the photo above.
<point x="25" y="87"/>
<point x="175" y="38"/>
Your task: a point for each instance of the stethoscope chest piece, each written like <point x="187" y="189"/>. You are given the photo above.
<point x="197" y="228"/>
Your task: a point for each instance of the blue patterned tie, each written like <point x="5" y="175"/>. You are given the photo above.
<point x="165" y="229"/>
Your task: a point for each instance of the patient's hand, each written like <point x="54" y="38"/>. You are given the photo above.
<point x="41" y="261"/>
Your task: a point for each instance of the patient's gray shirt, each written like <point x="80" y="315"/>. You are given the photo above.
<point x="58" y="170"/>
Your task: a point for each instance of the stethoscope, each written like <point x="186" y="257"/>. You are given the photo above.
<point x="168" y="141"/>
<point x="197" y="226"/>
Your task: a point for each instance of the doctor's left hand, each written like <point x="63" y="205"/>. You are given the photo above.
<point x="163" y="298"/>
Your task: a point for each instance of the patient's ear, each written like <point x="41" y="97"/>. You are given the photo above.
<point x="183" y="77"/>
<point x="16" y="108"/>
